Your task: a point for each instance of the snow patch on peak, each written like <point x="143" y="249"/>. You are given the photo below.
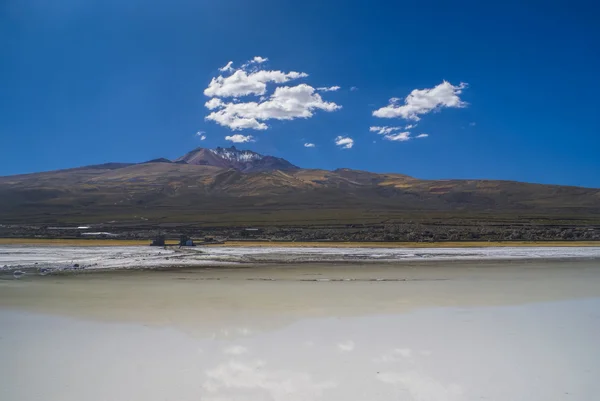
<point x="233" y="154"/>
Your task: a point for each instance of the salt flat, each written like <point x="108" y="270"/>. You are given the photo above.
<point x="36" y="257"/>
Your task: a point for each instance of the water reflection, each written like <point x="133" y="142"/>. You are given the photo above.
<point x="531" y="352"/>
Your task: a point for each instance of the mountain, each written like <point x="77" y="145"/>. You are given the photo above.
<point x="242" y="160"/>
<point x="231" y="187"/>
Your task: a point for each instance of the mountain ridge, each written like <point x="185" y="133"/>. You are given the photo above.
<point x="227" y="185"/>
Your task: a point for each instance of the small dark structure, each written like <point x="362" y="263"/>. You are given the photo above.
<point x="159" y="240"/>
<point x="184" y="240"/>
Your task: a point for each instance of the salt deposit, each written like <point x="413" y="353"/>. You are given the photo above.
<point x="64" y="258"/>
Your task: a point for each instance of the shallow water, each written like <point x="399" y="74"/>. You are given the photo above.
<point x="438" y="331"/>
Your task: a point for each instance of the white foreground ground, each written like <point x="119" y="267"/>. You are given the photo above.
<point x="65" y="258"/>
<point x="519" y="331"/>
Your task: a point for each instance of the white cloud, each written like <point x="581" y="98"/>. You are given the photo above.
<point x="346" y="346"/>
<point x="423" y="101"/>
<point x="213" y="103"/>
<point x="422" y="135"/>
<point x="329" y="89"/>
<point x="344" y="142"/>
<point x="259" y="59"/>
<point x="388" y="134"/>
<point x="228" y="67"/>
<point x="401" y="136"/>
<point x="353" y="88"/>
<point x="242" y="83"/>
<point x="286" y="103"/>
<point x="309" y="145"/>
<point x="235" y="350"/>
<point x="237" y="138"/>
<point x="410" y="126"/>
<point x="384" y="130"/>
<point x="200" y="134"/>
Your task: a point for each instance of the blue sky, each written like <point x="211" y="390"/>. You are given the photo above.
<point x="86" y="82"/>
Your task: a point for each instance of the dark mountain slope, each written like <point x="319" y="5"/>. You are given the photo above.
<point x="192" y="190"/>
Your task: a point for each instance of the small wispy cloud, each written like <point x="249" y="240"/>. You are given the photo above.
<point x="200" y="134"/>
<point x="472" y="124"/>
<point x="422" y="135"/>
<point x="309" y="145"/>
<point x="401" y="137"/>
<point x="227" y="67"/>
<point x="388" y="133"/>
<point x="259" y="59"/>
<point x="410" y="126"/>
<point x="384" y="130"/>
<point x="329" y="88"/>
<point x="353" y="88"/>
<point x="344" y="142"/>
<point x="238" y="138"/>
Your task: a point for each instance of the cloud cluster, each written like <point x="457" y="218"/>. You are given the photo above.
<point x="423" y="101"/>
<point x="200" y="134"/>
<point x="284" y="103"/>
<point x="242" y="83"/>
<point x="344" y="142"/>
<point x="247" y="97"/>
<point x="419" y="102"/>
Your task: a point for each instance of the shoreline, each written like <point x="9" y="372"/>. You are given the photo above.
<point x="46" y="259"/>
<point x="290" y="244"/>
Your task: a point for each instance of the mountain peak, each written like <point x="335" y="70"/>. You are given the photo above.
<point x="243" y="160"/>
